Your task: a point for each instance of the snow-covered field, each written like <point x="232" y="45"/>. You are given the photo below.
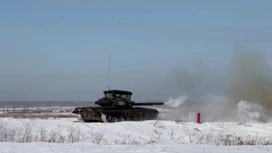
<point x="92" y="148"/>
<point x="68" y="135"/>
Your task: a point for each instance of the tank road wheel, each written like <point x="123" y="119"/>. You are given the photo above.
<point x="113" y="119"/>
<point x="108" y="118"/>
<point x="128" y="119"/>
<point x="121" y="119"/>
<point x="105" y="118"/>
<point x="85" y="113"/>
<point x="137" y="119"/>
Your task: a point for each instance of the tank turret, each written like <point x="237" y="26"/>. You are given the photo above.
<point x="116" y="105"/>
<point x="115" y="98"/>
<point x="120" y="98"/>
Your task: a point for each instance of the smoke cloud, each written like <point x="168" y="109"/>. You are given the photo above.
<point x="250" y="78"/>
<point x="176" y="102"/>
<point x="246" y="95"/>
<point x="251" y="111"/>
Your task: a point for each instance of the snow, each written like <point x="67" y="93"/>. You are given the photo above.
<point x="69" y="135"/>
<point x="86" y="147"/>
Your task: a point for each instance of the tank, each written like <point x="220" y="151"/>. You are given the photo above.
<point x="116" y="106"/>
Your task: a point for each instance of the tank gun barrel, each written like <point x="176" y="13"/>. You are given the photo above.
<point x="146" y="104"/>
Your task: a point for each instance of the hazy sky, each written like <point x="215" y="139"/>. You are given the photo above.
<point x="58" y="50"/>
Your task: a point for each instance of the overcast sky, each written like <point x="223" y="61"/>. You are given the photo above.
<point x="58" y="50"/>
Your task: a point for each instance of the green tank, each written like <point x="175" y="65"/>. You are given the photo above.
<point x="116" y="106"/>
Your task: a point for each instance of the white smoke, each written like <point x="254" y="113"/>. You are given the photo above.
<point x="250" y="111"/>
<point x="176" y="102"/>
<point x="213" y="108"/>
<point x="177" y="108"/>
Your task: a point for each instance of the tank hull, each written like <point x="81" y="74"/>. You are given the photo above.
<point x="115" y="114"/>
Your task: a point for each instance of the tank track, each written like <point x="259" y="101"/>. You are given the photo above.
<point x="106" y="117"/>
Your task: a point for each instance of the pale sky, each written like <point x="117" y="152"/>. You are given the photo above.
<point x="58" y="50"/>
